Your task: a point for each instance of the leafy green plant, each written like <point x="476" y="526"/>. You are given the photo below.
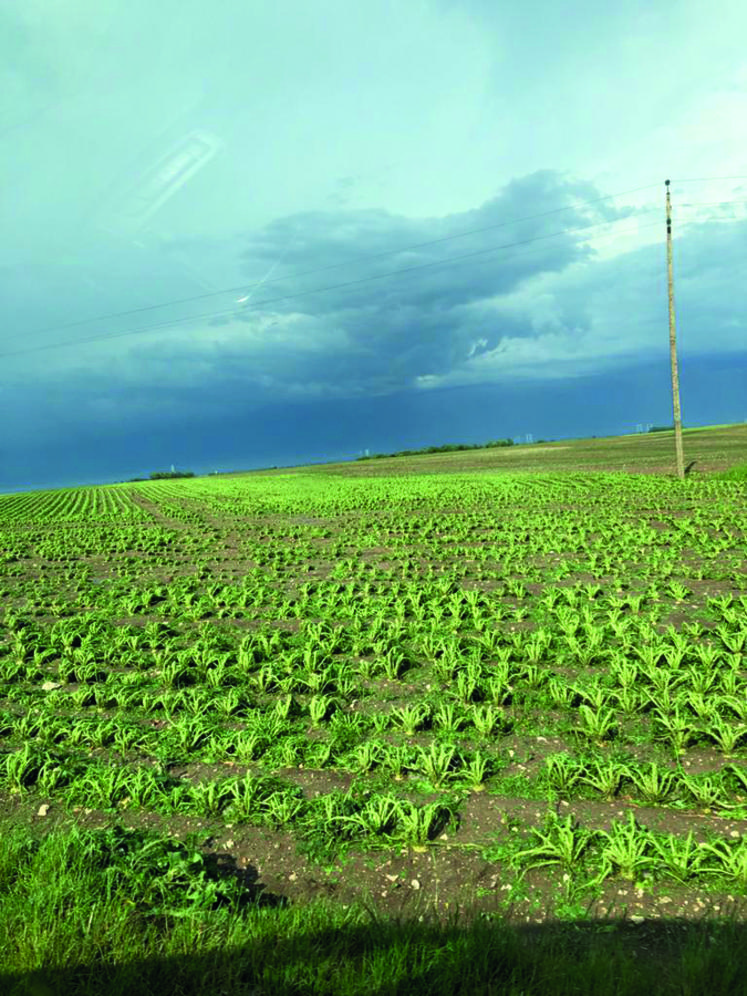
<point x="596" y="724"/>
<point x="725" y="735"/>
<point x="22" y="768"/>
<point x="318" y="709"/>
<point x="476" y="770"/>
<point x="378" y="817"/>
<point x="682" y="859"/>
<point x="410" y="718"/>
<point x="606" y="776"/>
<point x="674" y="728"/>
<point x="731" y="861"/>
<point x="419" y="824"/>
<point x="561" y="842"/>
<point x="652" y="783"/>
<point x="366" y="756"/>
<point x="563" y="773"/>
<point x="436" y="763"/>
<point x="447" y="720"/>
<point x="283" y="808"/>
<point x="626" y="850"/>
<point x="485" y="719"/>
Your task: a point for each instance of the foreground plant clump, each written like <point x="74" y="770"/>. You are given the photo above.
<point x="250" y="712"/>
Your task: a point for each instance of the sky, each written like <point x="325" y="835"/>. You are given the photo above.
<point x="274" y="233"/>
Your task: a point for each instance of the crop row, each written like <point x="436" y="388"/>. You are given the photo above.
<point x="271" y="735"/>
<point x="627" y="850"/>
<point x="80" y="504"/>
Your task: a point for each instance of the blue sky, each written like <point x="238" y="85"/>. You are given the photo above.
<point x="205" y="213"/>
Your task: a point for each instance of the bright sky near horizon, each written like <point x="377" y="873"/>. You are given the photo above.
<point x="259" y="171"/>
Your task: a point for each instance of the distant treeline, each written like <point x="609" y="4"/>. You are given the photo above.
<point x="446" y="448"/>
<point x="662" y="428"/>
<point x="161" y="475"/>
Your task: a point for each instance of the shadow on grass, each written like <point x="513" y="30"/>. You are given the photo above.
<point x="378" y="957"/>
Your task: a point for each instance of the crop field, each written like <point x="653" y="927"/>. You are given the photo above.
<point x="310" y="731"/>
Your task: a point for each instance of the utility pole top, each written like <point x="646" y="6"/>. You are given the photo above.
<point x="667" y="182"/>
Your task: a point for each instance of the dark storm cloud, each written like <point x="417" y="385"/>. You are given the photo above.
<point x="400" y="326"/>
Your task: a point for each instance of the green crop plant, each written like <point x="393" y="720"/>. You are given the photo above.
<point x="665" y="701"/>
<point x="284" y="807"/>
<point x="703" y="708"/>
<point x="702" y="677"/>
<point x="486" y="719"/>
<point x="290" y="752"/>
<point x="436" y="763"/>
<point x="731" y="681"/>
<point x="318" y="681"/>
<point x="725" y="736"/>
<point x="734" y="642"/>
<point x="561" y="693"/>
<point x="467" y="686"/>
<point x="533" y="676"/>
<point x="56" y="774"/>
<point x="410" y="718"/>
<point x="188" y="735"/>
<point x="419" y="824"/>
<point x="377" y="818"/>
<point x="590" y="652"/>
<point x="28" y="727"/>
<point x="737" y="704"/>
<point x="663" y="681"/>
<point x="625" y="850"/>
<point x="319" y="754"/>
<point x="606" y="776"/>
<point x="102" y="786"/>
<point x="476" y="771"/>
<point x="594" y="695"/>
<point x="731" y="861"/>
<point x="318" y="708"/>
<point x="446" y="666"/>
<point x="142" y="787"/>
<point x="21" y="769"/>
<point x="563" y="772"/>
<point x="706" y="791"/>
<point x="535" y="648"/>
<point x="628" y="698"/>
<point x="366" y="756"/>
<point x="561" y="842"/>
<point x="653" y="784"/>
<point x="675" y="729"/>
<point x="209" y="798"/>
<point x="597" y="725"/>
<point x="103" y="734"/>
<point x="380" y="721"/>
<point x="446" y="720"/>
<point x="247" y="797"/>
<point x="396" y="760"/>
<point x="682" y="860"/>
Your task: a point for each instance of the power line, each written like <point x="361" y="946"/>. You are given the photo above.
<point x="318" y="290"/>
<point x="334" y="266"/>
<point x="699" y="203"/>
<point x="352" y="262"/>
<point x="702" y="179"/>
<point x="389" y="252"/>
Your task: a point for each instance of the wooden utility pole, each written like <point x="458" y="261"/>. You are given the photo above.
<point x="673" y="349"/>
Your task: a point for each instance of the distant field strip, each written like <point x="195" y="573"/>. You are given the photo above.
<point x="74" y="505"/>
